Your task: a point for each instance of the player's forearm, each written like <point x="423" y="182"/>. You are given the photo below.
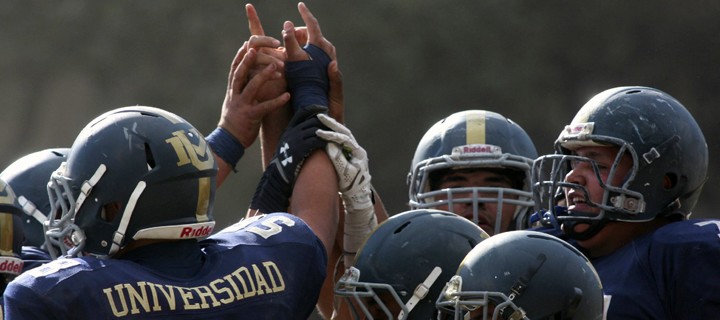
<point x="315" y="197"/>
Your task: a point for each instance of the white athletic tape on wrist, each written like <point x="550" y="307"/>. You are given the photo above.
<point x="358" y="226"/>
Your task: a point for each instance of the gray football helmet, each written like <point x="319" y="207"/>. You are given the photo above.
<point x="132" y="173"/>
<point x="667" y="148"/>
<point x="474" y="139"/>
<point x="401" y="268"/>
<point x="526" y="275"/>
<point x="29" y="176"/>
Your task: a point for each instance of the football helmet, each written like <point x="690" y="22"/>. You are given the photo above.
<point x="523" y="274"/>
<point x="401" y="268"/>
<point x="132" y="173"/>
<point x="11" y="235"/>
<point x="667" y="148"/>
<point x="29" y="177"/>
<point x="474" y="139"/>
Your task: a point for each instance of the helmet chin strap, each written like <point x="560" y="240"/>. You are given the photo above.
<point x="568" y="227"/>
<point x="421" y="291"/>
<point x="125" y="220"/>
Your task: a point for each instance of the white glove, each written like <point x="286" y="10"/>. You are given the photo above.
<point x="351" y="164"/>
<point x="354" y="181"/>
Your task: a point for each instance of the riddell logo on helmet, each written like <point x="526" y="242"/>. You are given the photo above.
<point x="477" y="148"/>
<point x="194" y="232"/>
<point x="11" y="266"/>
<point x="580" y="128"/>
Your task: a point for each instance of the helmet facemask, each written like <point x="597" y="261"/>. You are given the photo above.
<point x="618" y="201"/>
<point x="427" y="195"/>
<point x="484" y="305"/>
<point x="369" y="300"/>
<point x="623" y="201"/>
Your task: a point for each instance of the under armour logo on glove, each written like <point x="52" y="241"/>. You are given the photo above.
<point x="284" y="151"/>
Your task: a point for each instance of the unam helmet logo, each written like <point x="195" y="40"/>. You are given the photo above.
<point x="188" y="153"/>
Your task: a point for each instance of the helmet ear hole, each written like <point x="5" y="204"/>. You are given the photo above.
<point x="670" y="181"/>
<point x="149" y="156"/>
<point x="110" y="211"/>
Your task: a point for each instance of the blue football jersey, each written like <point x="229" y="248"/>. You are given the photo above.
<point x="671" y="273"/>
<point x="267" y="267"/>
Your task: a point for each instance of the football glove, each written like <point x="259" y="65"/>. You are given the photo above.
<point x="296" y="143"/>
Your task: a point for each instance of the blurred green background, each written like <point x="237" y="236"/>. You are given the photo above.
<point x="406" y="64"/>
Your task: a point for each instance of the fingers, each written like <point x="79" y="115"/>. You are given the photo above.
<point x="266" y="56"/>
<point x="294" y="51"/>
<point x="344" y="140"/>
<point x="345" y="143"/>
<point x="331" y="136"/>
<point x="252" y="90"/>
<point x="241" y="70"/>
<point x="253" y="21"/>
<point x="239" y="56"/>
<point x="257" y="41"/>
<point x="359" y="154"/>
<point x="273" y="104"/>
<point x="334" y="125"/>
<point x="268" y="53"/>
<point x="336" y="105"/>
<point x="313" y="28"/>
<point x="301" y="34"/>
<point x="249" y="91"/>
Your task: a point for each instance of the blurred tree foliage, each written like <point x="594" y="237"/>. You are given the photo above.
<point x="406" y="65"/>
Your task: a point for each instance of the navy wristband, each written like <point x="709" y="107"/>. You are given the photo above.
<point x="308" y="81"/>
<point x="225" y="146"/>
<point x="318" y="56"/>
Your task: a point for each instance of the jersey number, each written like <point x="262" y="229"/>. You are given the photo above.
<point x="272" y="225"/>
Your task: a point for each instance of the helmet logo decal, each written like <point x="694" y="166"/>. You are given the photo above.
<point x="6" y="241"/>
<point x="11" y="265"/>
<point x="188" y="153"/>
<point x="7" y="198"/>
<point x="578" y="131"/>
<point x="475" y="124"/>
<point x="479" y="149"/>
<point x="203" y="201"/>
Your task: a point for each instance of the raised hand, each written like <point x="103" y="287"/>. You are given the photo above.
<point x="269" y="51"/>
<point x="242" y="111"/>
